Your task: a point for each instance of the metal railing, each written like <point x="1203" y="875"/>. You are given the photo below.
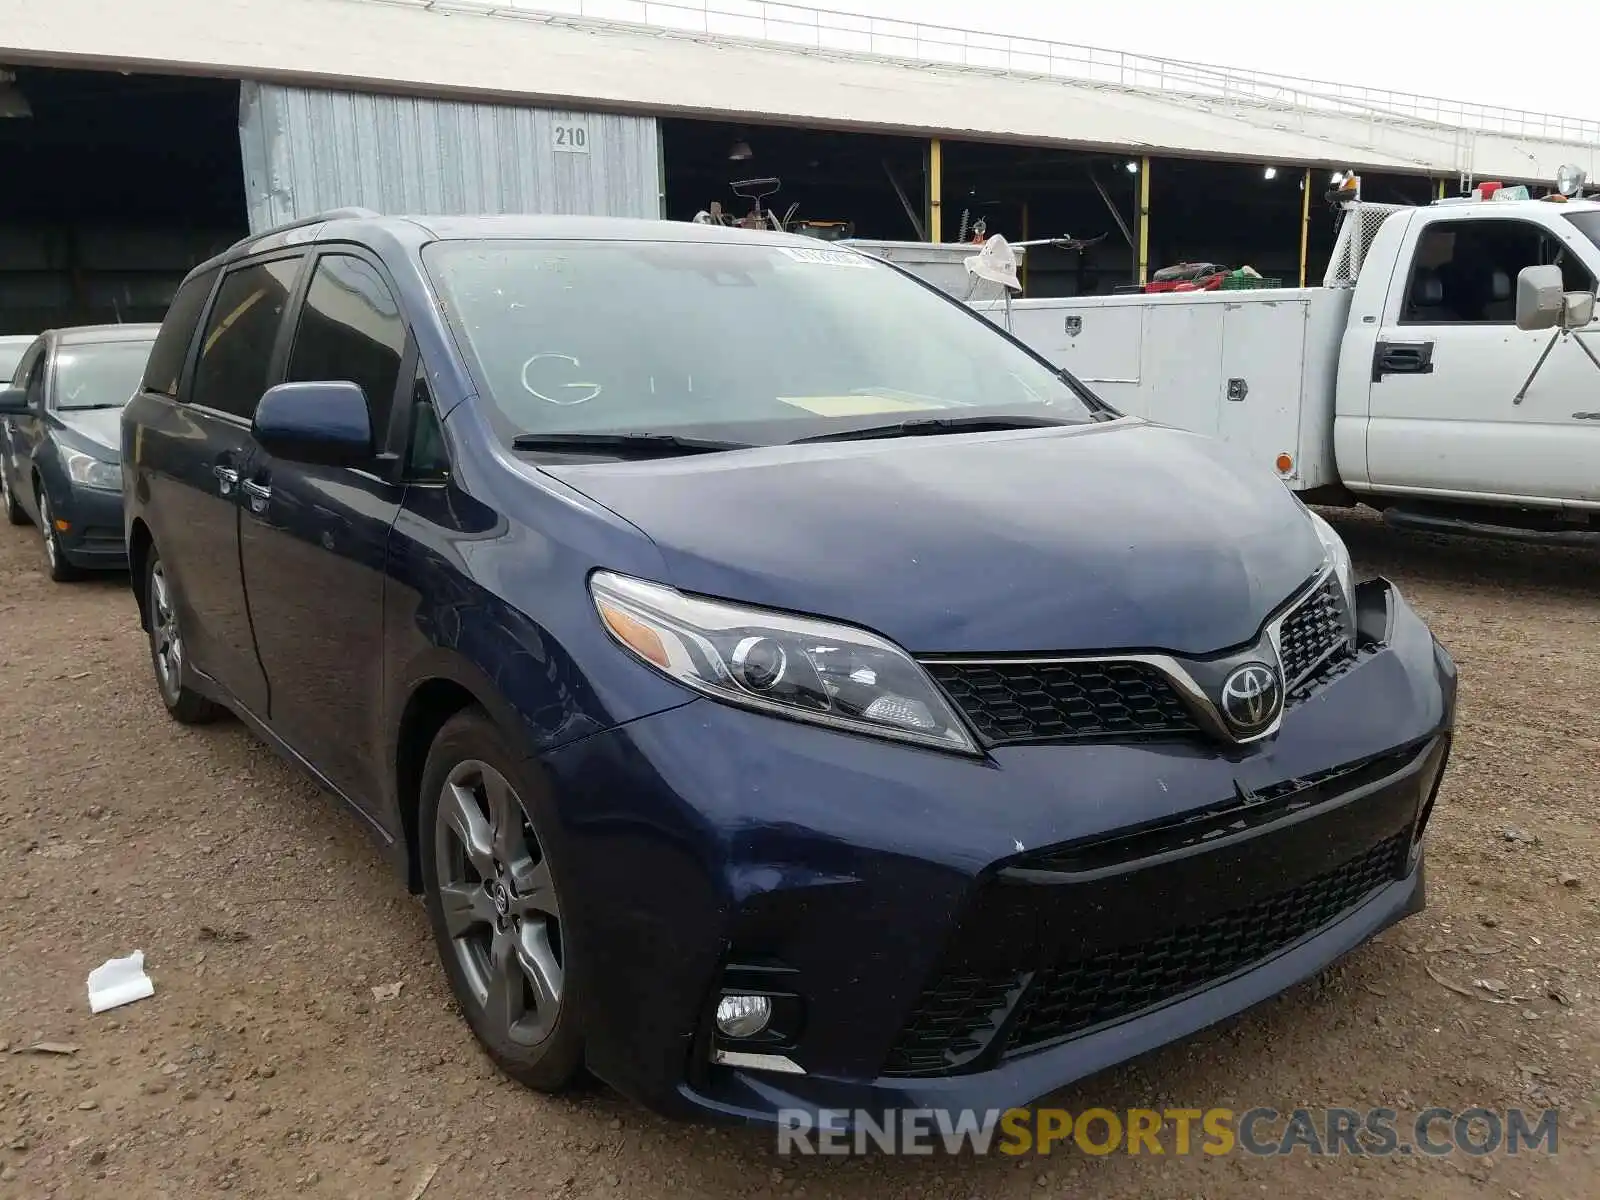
<point x="827" y="30"/>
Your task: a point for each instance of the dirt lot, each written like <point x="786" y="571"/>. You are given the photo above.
<point x="265" y="1066"/>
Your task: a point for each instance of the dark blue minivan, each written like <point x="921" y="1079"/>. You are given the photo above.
<point x="785" y="689"/>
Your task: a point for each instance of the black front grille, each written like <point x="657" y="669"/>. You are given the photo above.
<point x="1314" y="634"/>
<point x="1044" y="701"/>
<point x="1072" y="997"/>
<point x="953" y="1024"/>
<point x="956" y="1018"/>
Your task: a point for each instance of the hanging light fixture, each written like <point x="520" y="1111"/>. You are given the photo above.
<point x="12" y="102"/>
<point x="1271" y="172"/>
<point x="740" y="151"/>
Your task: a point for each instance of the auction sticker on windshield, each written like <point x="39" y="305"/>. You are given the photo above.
<point x="826" y="258"/>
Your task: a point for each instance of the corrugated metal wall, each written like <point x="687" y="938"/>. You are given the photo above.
<point x="306" y="151"/>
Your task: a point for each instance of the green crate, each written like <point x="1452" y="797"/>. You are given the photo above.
<point x="1243" y="283"/>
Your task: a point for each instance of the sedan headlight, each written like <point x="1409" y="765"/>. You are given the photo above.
<point x="773" y="662"/>
<point x="91" y="472"/>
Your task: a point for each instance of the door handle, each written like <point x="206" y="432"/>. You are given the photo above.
<point x="227" y="479"/>
<point x="259" y="494"/>
<point x="1402" y="358"/>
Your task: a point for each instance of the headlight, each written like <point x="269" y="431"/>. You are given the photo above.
<point x="1339" y="555"/>
<point x="786" y="665"/>
<point x="91" y="472"/>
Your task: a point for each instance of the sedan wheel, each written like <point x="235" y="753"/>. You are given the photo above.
<point x="15" y="513"/>
<point x="55" y="561"/>
<point x="494" y="906"/>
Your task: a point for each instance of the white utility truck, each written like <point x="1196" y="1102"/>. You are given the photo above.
<point x="1406" y="382"/>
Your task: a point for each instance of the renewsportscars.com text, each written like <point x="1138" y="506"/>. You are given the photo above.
<point x="1259" y="1132"/>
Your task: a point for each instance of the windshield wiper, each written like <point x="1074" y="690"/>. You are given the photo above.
<point x="921" y="426"/>
<point x="632" y="445"/>
<point x="88" y="407"/>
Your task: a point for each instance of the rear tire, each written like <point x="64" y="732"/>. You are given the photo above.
<point x="493" y="904"/>
<point x="15" y="513"/>
<point x="187" y="706"/>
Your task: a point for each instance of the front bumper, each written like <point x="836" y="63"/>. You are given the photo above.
<point x="95" y="539"/>
<point x="978" y="933"/>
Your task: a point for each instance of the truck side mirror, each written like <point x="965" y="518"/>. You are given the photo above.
<point x="1580" y="309"/>
<point x="1541" y="299"/>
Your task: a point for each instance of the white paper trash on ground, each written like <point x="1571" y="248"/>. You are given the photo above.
<point x="119" y="981"/>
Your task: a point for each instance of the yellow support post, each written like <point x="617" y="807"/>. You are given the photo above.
<point x="1305" y="223"/>
<point x="935" y="187"/>
<point x="1441" y="189"/>
<point x="1144" y="220"/>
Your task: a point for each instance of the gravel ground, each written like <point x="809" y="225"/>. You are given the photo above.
<point x="266" y="1066"/>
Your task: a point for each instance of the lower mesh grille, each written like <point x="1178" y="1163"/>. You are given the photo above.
<point x="957" y="1018"/>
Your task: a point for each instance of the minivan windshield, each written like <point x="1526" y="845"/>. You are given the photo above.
<point x="99" y="374"/>
<point x="751" y="341"/>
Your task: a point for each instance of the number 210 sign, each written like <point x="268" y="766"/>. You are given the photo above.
<point x="570" y="137"/>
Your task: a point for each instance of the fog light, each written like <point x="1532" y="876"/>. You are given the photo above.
<point x="743" y="1016"/>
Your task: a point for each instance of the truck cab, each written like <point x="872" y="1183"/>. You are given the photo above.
<point x="1434" y="398"/>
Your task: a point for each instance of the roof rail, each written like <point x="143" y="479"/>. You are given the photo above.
<point x="332" y="214"/>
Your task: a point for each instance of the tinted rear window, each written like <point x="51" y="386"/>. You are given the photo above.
<point x="177" y="332"/>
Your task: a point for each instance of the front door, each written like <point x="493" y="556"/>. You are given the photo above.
<point x="1451" y="361"/>
<point x="314" y="540"/>
<point x="195" y="455"/>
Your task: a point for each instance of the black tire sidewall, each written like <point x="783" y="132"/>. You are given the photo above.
<point x="556" y="1062"/>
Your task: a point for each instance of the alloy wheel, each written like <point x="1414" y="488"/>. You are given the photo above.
<point x="52" y="552"/>
<point x="499" y="904"/>
<point x="165" y="639"/>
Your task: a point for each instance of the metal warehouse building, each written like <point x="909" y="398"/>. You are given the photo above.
<point x="138" y="138"/>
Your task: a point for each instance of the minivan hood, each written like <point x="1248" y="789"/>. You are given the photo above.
<point x="1116" y="536"/>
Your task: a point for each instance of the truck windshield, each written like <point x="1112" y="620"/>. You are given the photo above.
<point x="750" y="340"/>
<point x="1588" y="224"/>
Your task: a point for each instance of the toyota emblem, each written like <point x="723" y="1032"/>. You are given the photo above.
<point x="1252" y="697"/>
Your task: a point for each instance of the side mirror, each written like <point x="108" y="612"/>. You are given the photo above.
<point x="1580" y="309"/>
<point x="324" y="424"/>
<point x="13" y="402"/>
<point x="1541" y="300"/>
<point x="1542" y="304"/>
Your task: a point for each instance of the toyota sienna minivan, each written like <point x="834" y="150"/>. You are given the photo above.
<point x="784" y="689"/>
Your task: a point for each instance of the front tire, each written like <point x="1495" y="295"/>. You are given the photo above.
<point x="55" y="558"/>
<point x="493" y="904"/>
<point x="187" y="706"/>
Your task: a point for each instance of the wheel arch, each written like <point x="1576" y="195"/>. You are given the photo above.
<point x="439" y="688"/>
<point x="140" y="543"/>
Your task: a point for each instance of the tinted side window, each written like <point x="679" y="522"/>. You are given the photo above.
<point x="1465" y="272"/>
<point x="19" y="378"/>
<point x="35" y="384"/>
<point x="165" y="368"/>
<point x="351" y="331"/>
<point x="236" y="354"/>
